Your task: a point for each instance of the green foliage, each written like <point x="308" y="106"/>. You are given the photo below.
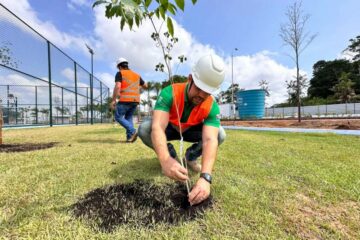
<point x="344" y="88"/>
<point x="134" y="11"/>
<point x="175" y="79"/>
<point x="355" y="47"/>
<point x="226" y="96"/>
<point x="6" y="57"/>
<point x="293" y="88"/>
<point x="307" y="101"/>
<point x="131" y="11"/>
<point x="326" y="75"/>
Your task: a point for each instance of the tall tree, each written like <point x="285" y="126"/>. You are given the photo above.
<point x="157" y="88"/>
<point x="326" y="75"/>
<point x="149" y="88"/>
<point x="226" y="96"/>
<point x="354" y="47"/>
<point x="175" y="79"/>
<point x="344" y="89"/>
<point x="294" y="35"/>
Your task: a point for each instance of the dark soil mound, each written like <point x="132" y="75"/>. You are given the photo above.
<point x="346" y="127"/>
<point x="25" y="147"/>
<point x="138" y="204"/>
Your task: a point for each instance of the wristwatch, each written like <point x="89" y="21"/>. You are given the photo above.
<point x="206" y="176"/>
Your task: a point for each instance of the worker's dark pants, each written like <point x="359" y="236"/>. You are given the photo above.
<point x="193" y="134"/>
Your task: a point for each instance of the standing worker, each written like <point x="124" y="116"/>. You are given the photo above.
<point x="189" y="107"/>
<point x="127" y="88"/>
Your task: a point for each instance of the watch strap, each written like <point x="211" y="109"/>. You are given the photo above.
<point x="206" y="176"/>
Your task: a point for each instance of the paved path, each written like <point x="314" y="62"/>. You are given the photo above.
<point x="302" y="130"/>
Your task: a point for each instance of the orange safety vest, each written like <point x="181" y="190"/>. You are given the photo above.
<point x="129" y="91"/>
<point x="198" y="114"/>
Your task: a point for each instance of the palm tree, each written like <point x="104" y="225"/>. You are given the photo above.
<point x="150" y="87"/>
<point x="157" y="88"/>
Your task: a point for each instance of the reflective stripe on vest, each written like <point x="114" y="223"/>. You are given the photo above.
<point x="129" y="91"/>
<point x="198" y="114"/>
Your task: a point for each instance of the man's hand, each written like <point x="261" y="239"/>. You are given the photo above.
<point x="112" y="104"/>
<point x="172" y="169"/>
<point x="200" y="192"/>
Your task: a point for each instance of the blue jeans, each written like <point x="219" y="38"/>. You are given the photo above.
<point x="124" y="115"/>
<point x="193" y="134"/>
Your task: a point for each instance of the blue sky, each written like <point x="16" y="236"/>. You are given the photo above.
<point x="210" y="26"/>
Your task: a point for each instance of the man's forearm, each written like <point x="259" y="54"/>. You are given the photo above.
<point x="114" y="96"/>
<point x="158" y="139"/>
<point x="209" y="151"/>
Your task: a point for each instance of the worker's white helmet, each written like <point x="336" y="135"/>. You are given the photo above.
<point x="121" y="60"/>
<point x="208" y="73"/>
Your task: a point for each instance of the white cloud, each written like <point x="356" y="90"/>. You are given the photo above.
<point x="347" y="55"/>
<point x="138" y="47"/>
<point x="140" y="50"/>
<point x="68" y="73"/>
<point x="25" y="94"/>
<point x="23" y="9"/>
<point x="249" y="70"/>
<point x="109" y="43"/>
<point x="107" y="79"/>
<point x="74" y="5"/>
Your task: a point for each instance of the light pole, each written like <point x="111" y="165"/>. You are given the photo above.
<point x="91" y="84"/>
<point x="232" y="81"/>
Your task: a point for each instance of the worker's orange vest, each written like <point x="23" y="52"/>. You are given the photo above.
<point x="129" y="91"/>
<point x="198" y="114"/>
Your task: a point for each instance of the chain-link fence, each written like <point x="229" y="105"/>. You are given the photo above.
<point x="42" y="85"/>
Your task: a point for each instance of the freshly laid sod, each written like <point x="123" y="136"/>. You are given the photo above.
<point x="266" y="185"/>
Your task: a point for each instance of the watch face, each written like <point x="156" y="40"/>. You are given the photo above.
<point x="206" y="176"/>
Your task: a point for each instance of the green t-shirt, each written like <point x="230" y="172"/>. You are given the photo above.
<point x="165" y="100"/>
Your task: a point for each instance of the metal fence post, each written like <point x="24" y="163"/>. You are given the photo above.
<point x="354" y="108"/>
<point x="8" y="103"/>
<point x="101" y="103"/>
<point x="91" y="99"/>
<point x="36" y="106"/>
<point x="50" y="90"/>
<point x="326" y="110"/>
<point x="62" y="105"/>
<point x="87" y="105"/>
<point x="76" y="95"/>
<point x="345" y="108"/>
<point x="16" y="110"/>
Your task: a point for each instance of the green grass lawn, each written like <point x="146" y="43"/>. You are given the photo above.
<point x="266" y="185"/>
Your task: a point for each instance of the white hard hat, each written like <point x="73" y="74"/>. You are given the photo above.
<point x="121" y="60"/>
<point x="208" y="73"/>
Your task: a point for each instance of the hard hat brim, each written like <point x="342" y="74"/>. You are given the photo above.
<point x="200" y="84"/>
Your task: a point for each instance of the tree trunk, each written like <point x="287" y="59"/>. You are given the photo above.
<point x="298" y="87"/>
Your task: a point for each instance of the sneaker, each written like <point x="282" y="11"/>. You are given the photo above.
<point x="133" y="137"/>
<point x="191" y="155"/>
<point x="194" y="165"/>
